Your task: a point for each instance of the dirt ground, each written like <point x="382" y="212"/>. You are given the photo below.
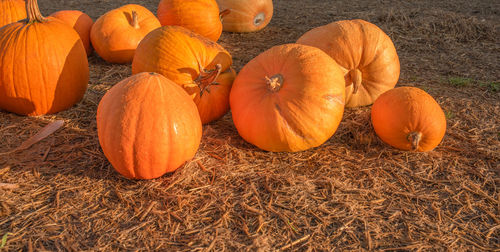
<point x="352" y="193"/>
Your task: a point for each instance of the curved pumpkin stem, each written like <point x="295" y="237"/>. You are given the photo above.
<point x="357" y="78"/>
<point x="275" y="82"/>
<point x="224" y="13"/>
<point x="33" y="12"/>
<point x="135" y="21"/>
<point x="414" y="138"/>
<point x="207" y="78"/>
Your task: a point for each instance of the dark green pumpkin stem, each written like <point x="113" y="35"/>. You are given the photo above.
<point x="33" y="12"/>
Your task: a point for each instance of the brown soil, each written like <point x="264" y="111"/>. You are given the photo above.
<point x="352" y="193"/>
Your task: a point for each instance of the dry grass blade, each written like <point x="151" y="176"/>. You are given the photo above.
<point x="39" y="136"/>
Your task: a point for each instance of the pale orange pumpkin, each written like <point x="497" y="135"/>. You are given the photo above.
<point x="199" y="65"/>
<point x="288" y="98"/>
<point x="43" y="65"/>
<point x="12" y="11"/>
<point x="199" y="16"/>
<point x="245" y="15"/>
<point x="408" y="118"/>
<point x="365" y="53"/>
<point x="147" y="126"/>
<point x="80" y="21"/>
<point x="116" y="34"/>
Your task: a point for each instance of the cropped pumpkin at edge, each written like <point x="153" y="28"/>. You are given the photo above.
<point x="288" y="98"/>
<point x="365" y="53"/>
<point x="56" y="74"/>
<point x="245" y="15"/>
<point x="116" y="34"/>
<point x="408" y="118"/>
<point x="12" y="11"/>
<point x="199" y="65"/>
<point x="80" y="21"/>
<point x="147" y="126"/>
<point x="199" y="16"/>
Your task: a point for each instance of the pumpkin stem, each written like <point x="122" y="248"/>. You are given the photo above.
<point x="414" y="138"/>
<point x="275" y="82"/>
<point x="135" y="21"/>
<point x="224" y="13"/>
<point x="207" y="78"/>
<point x="357" y="78"/>
<point x="33" y="12"/>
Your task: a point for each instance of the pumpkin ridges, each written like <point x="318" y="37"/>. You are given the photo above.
<point x="11" y="11"/>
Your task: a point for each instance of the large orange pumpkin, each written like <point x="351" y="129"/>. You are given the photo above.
<point x="408" y="118"/>
<point x="80" y="21"/>
<point x="199" y="16"/>
<point x="365" y="53"/>
<point x="288" y="98"/>
<point x="12" y="11"/>
<point x="43" y="65"/>
<point x="147" y="126"/>
<point x="245" y="15"/>
<point x="199" y="65"/>
<point x="116" y="34"/>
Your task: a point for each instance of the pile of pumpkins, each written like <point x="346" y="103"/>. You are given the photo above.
<point x="289" y="98"/>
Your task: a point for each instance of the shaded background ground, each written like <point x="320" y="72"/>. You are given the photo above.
<point x="352" y="193"/>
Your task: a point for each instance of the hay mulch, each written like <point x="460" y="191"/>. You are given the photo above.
<point x="352" y="193"/>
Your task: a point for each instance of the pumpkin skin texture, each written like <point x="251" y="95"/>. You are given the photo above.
<point x="365" y="53"/>
<point x="147" y="126"/>
<point x="80" y="21"/>
<point x="116" y="34"/>
<point x="288" y="98"/>
<point x="409" y="119"/>
<point x="12" y="11"/>
<point x="199" y="65"/>
<point x="199" y="16"/>
<point x="43" y="65"/>
<point x="245" y="15"/>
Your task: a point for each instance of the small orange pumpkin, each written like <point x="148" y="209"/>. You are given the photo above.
<point x="365" y="53"/>
<point x="199" y="65"/>
<point x="199" y="16"/>
<point x="116" y="34"/>
<point x="43" y="65"/>
<point x="80" y="21"/>
<point x="147" y="126"/>
<point x="288" y="98"/>
<point x="408" y="118"/>
<point x="12" y="11"/>
<point x="245" y="15"/>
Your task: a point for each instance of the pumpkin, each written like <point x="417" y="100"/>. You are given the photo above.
<point x="43" y="65"/>
<point x="365" y="53"/>
<point x="147" y="126"/>
<point x="245" y="15"/>
<point x="199" y="65"/>
<point x="80" y="21"/>
<point x="408" y="118"/>
<point x="199" y="16"/>
<point x="116" y="34"/>
<point x="288" y="98"/>
<point x="12" y="11"/>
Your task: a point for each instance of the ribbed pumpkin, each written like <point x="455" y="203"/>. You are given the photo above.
<point x="12" y="11"/>
<point x="199" y="65"/>
<point x="80" y="21"/>
<point x="116" y="34"/>
<point x="288" y="98"/>
<point x="199" y="16"/>
<point x="408" y="118"/>
<point x="365" y="53"/>
<point x="43" y="65"/>
<point x="245" y="15"/>
<point x="147" y="126"/>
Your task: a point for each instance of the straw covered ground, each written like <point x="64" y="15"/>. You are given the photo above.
<point x="352" y="193"/>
